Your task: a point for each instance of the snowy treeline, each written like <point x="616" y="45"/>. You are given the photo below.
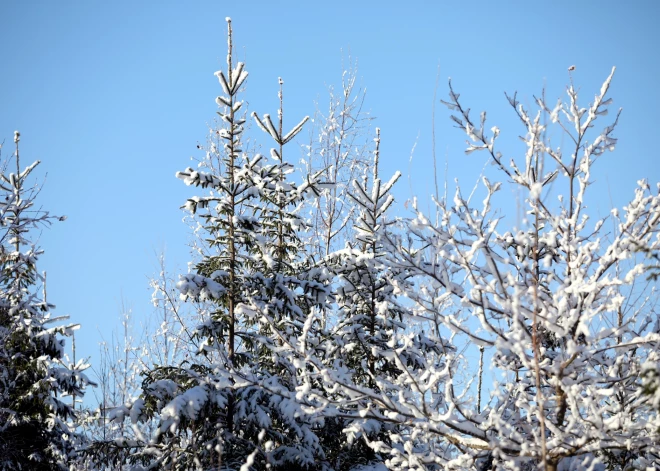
<point x="318" y="329"/>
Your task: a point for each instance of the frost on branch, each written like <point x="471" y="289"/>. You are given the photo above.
<point x="340" y="147"/>
<point x="549" y="300"/>
<point x="561" y="309"/>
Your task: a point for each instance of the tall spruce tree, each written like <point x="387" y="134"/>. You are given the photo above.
<point x="256" y="286"/>
<point x="37" y="428"/>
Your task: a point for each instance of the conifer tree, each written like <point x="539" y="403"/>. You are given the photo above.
<point x="366" y="311"/>
<point x="255" y="285"/>
<point x="367" y="307"/>
<point x="368" y="341"/>
<point x="194" y="408"/>
<point x="37" y="421"/>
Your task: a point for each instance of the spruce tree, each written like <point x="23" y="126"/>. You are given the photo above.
<point x="371" y="341"/>
<point x="368" y="309"/>
<point x="37" y="428"/>
<point x="221" y="409"/>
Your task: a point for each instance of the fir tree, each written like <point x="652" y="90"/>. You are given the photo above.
<point x="37" y="423"/>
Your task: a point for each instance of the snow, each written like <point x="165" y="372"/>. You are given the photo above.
<point x="379" y="338"/>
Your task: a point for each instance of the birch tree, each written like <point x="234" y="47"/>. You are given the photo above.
<point x="555" y="298"/>
<point x="339" y="149"/>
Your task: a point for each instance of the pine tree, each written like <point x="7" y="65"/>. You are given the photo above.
<point x="37" y="423"/>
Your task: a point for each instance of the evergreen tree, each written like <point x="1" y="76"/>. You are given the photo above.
<point x="284" y="287"/>
<point x="256" y="285"/>
<point x="368" y="340"/>
<point x="366" y="312"/>
<point x="37" y="423"/>
<point x="368" y="309"/>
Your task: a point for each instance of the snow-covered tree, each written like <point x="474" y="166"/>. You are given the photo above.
<point x="369" y="336"/>
<point x="165" y="338"/>
<point x="254" y="283"/>
<point x="367" y="308"/>
<point x="561" y="306"/>
<point x="556" y="300"/>
<point x="37" y="420"/>
<point x="121" y="359"/>
<point x="339" y="148"/>
<point x="196" y="410"/>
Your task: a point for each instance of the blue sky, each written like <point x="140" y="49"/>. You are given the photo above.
<point x="113" y="97"/>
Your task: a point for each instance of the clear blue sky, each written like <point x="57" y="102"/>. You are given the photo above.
<point x="114" y="96"/>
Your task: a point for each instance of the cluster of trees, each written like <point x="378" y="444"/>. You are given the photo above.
<point x="317" y="330"/>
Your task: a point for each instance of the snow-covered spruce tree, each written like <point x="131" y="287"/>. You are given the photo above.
<point x="369" y="326"/>
<point x="251" y="277"/>
<point x="273" y="287"/>
<point x="367" y="307"/>
<point x="283" y="286"/>
<point x="37" y="423"/>
<point x="196" y="414"/>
